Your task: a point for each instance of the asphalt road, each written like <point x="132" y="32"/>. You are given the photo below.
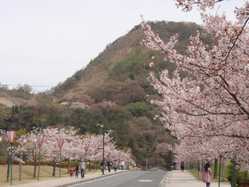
<point x="150" y="178"/>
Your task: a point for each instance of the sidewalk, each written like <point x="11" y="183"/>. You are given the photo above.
<point x="185" y="179"/>
<point x="62" y="181"/>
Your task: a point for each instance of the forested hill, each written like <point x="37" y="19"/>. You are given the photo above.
<point x="113" y="90"/>
<point x="121" y="66"/>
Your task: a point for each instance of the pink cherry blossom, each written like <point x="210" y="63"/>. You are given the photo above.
<point x="208" y="108"/>
<point x="59" y="144"/>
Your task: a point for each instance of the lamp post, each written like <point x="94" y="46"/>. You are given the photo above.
<point x="35" y="158"/>
<point x="10" y="138"/>
<point x="234" y="174"/>
<point x="103" y="147"/>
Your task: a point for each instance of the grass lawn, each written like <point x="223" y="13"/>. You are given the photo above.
<point x="27" y="173"/>
<point x="195" y="173"/>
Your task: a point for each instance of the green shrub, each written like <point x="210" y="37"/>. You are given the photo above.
<point x="242" y="176"/>
<point x="133" y="66"/>
<point x="138" y="108"/>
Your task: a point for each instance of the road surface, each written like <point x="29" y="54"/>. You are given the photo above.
<point x="150" y="178"/>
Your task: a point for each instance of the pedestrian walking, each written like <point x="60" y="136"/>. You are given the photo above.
<point x="115" y="166"/>
<point x="207" y="175"/>
<point x="182" y="166"/>
<point x="77" y="170"/>
<point x="102" y="167"/>
<point x="82" y="168"/>
<point x="109" y="164"/>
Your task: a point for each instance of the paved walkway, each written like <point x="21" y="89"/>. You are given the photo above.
<point x="185" y="179"/>
<point x="60" y="181"/>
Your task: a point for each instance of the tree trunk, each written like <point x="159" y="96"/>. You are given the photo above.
<point x="8" y="168"/>
<point x="39" y="165"/>
<point x="54" y="168"/>
<point x="60" y="164"/>
<point x="35" y="165"/>
<point x="68" y="165"/>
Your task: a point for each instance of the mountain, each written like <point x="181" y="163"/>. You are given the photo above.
<point x="115" y="85"/>
<point x="122" y="67"/>
<point x="112" y="90"/>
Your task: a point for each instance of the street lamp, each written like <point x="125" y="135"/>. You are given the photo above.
<point x="34" y="157"/>
<point x="103" y="147"/>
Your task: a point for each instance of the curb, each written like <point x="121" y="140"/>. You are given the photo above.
<point x="90" y="179"/>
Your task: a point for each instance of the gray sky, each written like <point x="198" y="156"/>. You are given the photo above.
<point x="42" y="42"/>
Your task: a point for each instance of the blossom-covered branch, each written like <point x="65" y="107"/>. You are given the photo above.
<point x="210" y="99"/>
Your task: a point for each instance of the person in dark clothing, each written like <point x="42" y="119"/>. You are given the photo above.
<point x="82" y="168"/>
<point x="115" y="166"/>
<point x="109" y="166"/>
<point x="77" y="171"/>
<point x="102" y="167"/>
<point x="182" y="166"/>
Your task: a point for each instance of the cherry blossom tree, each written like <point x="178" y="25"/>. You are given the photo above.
<point x="56" y="145"/>
<point x="93" y="149"/>
<point x="187" y="5"/>
<point x="50" y="144"/>
<point x="33" y="143"/>
<point x="205" y="102"/>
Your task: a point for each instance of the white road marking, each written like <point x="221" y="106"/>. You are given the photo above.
<point x="145" y="180"/>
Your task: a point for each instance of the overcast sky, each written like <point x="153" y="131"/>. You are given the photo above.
<point x="42" y="42"/>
